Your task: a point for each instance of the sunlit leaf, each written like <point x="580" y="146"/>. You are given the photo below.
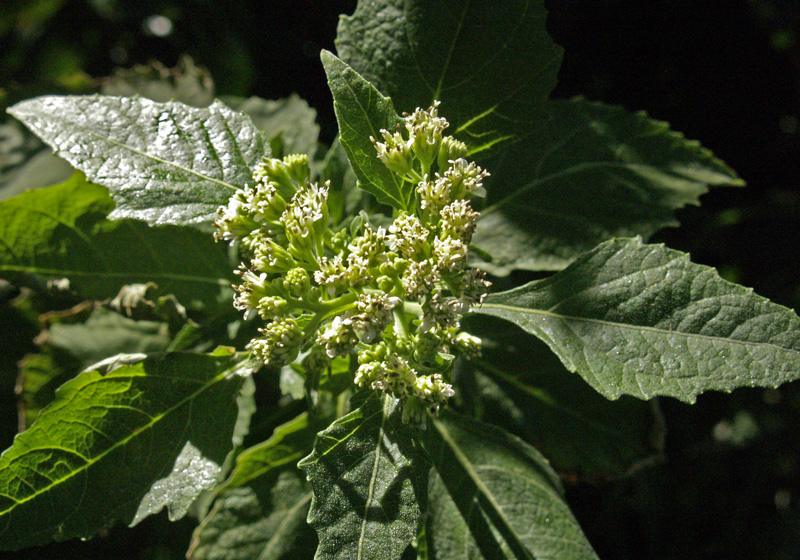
<point x="61" y="232"/>
<point x="135" y="434"/>
<point x="163" y="162"/>
<point x="362" y="112"/>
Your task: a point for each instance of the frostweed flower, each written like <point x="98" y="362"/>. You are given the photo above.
<point x="388" y="298"/>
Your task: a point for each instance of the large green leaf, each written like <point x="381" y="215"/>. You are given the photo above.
<point x="495" y="497"/>
<point x="643" y="320"/>
<point x="362" y="112"/>
<point x="369" y="477"/>
<point x="590" y="172"/>
<point x="61" y="232"/>
<point x="163" y="162"/>
<point x="519" y="384"/>
<point x="491" y="64"/>
<point x="134" y="434"/>
<point x="261" y="511"/>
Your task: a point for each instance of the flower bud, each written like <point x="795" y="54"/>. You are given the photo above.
<point x="451" y="149"/>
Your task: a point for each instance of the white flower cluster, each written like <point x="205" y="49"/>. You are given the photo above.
<point x="390" y="297"/>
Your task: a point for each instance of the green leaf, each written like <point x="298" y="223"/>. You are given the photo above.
<point x="290" y="120"/>
<point x="76" y="342"/>
<point x="369" y="477"/>
<point x="495" y="497"/>
<point x="163" y="162"/>
<point x="134" y="434"/>
<point x="61" y="232"/>
<point x="643" y="320"/>
<point x="590" y="172"/>
<point x="262" y="508"/>
<point x="519" y="384"/>
<point x="491" y="64"/>
<point x="362" y="112"/>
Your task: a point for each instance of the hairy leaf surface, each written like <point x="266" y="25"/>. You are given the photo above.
<point x="643" y="320"/>
<point x="491" y="64"/>
<point x="261" y="510"/>
<point x="369" y="477"/>
<point x="119" y="442"/>
<point x="61" y="232"/>
<point x="495" y="497"/>
<point x="590" y="172"/>
<point x="362" y="112"/>
<point x="165" y="163"/>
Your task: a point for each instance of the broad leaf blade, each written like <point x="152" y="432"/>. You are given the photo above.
<point x="590" y="172"/>
<point x="369" y="477"/>
<point x="519" y="384"/>
<point x="495" y="497"/>
<point x="362" y="112"/>
<point x="261" y="511"/>
<point x="165" y="163"/>
<point x="643" y="320"/>
<point x="61" y="232"/>
<point x="492" y="64"/>
<point x="134" y="435"/>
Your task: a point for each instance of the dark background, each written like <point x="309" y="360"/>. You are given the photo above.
<point x="725" y="72"/>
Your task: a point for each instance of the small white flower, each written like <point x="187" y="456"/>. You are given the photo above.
<point x="450" y="253"/>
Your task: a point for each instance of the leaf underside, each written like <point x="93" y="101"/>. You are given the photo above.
<point x="643" y="320"/>
<point x="165" y="163"/>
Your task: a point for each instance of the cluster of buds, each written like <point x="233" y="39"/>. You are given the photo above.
<point x="390" y="297"/>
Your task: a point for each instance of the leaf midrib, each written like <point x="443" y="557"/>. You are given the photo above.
<point x="149" y="425"/>
<point x="656" y="330"/>
<point x="373" y="478"/>
<point x="466" y="464"/>
<point x="89" y="131"/>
